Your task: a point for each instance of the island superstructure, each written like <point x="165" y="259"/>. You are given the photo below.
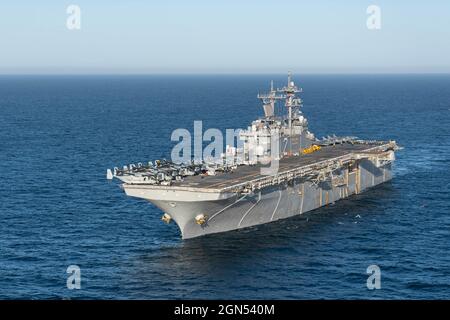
<point x="281" y="170"/>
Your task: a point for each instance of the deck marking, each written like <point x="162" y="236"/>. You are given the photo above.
<point x="223" y="209"/>
<point x="303" y="195"/>
<point x="250" y="209"/>
<point x="276" y="207"/>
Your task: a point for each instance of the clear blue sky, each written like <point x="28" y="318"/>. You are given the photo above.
<point x="246" y="36"/>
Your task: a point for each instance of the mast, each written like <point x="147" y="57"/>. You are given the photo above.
<point x="269" y="100"/>
<point x="292" y="102"/>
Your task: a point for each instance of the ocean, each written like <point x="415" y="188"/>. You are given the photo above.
<point x="59" y="134"/>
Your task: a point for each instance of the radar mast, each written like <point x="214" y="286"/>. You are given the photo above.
<point x="269" y="100"/>
<point x="292" y="102"/>
<point x="288" y="93"/>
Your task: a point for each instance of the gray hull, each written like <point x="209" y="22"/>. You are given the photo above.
<point x="271" y="203"/>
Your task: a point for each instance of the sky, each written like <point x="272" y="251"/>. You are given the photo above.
<point x="199" y="36"/>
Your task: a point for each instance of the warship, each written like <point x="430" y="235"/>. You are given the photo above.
<point x="281" y="170"/>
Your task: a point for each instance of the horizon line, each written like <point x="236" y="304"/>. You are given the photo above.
<point x="220" y="73"/>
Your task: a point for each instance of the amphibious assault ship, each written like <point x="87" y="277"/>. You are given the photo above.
<point x="280" y="170"/>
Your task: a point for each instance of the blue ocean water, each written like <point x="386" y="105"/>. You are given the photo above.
<point x="58" y="134"/>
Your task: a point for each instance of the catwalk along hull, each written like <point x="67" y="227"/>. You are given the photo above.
<point x="229" y="211"/>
